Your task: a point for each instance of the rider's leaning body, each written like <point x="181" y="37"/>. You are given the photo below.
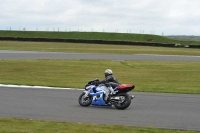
<point x="111" y="83"/>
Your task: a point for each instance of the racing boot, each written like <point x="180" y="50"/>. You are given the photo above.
<point x="112" y="92"/>
<point x="106" y="98"/>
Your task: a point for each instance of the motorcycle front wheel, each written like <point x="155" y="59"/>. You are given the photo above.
<point x="84" y="101"/>
<point x="124" y="102"/>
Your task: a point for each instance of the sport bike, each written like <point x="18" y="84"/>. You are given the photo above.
<point x="94" y="94"/>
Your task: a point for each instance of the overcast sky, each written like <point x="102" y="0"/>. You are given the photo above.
<point x="168" y="17"/>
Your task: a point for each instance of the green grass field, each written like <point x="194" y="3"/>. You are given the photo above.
<point x="36" y="126"/>
<point x="94" y="48"/>
<point x="94" y="36"/>
<point x="147" y="76"/>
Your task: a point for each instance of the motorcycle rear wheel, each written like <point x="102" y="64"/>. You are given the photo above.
<point x="125" y="104"/>
<point x="84" y="101"/>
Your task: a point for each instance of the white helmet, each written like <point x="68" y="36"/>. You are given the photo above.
<point x="108" y="72"/>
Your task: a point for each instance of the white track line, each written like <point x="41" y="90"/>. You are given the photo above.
<point x="38" y="87"/>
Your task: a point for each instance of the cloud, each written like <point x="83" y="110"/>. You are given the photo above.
<point x="171" y="17"/>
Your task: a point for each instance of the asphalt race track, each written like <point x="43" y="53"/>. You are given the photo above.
<point x="21" y="55"/>
<point x="173" y="111"/>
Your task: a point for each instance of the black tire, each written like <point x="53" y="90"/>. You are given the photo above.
<point x="126" y="102"/>
<point x="84" y="101"/>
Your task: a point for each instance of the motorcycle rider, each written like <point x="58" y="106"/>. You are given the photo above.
<point x="111" y="83"/>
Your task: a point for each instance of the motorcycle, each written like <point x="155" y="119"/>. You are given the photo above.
<point x="94" y="94"/>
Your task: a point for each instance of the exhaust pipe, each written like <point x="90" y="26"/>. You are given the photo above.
<point x="115" y="99"/>
<point x="132" y="96"/>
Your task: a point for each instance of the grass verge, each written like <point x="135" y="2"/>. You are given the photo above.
<point x="147" y="76"/>
<point x="35" y="126"/>
<point x="94" y="48"/>
<point x="94" y="36"/>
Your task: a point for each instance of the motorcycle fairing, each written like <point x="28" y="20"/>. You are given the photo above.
<point x="97" y="96"/>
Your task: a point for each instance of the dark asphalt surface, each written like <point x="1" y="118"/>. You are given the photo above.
<point x="171" y="111"/>
<point x="21" y="55"/>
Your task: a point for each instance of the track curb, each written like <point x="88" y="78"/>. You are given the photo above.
<point x="37" y="87"/>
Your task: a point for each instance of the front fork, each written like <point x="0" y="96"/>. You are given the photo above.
<point x="86" y="94"/>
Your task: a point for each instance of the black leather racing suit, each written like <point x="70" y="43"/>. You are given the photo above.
<point x="110" y="81"/>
